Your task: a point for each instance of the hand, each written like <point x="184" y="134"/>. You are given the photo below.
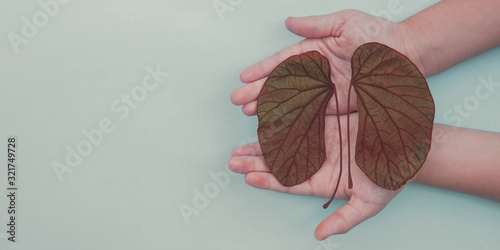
<point x="365" y="198"/>
<point x="336" y="36"/>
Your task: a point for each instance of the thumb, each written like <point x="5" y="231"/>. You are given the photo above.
<point x="317" y="26"/>
<point x="347" y="217"/>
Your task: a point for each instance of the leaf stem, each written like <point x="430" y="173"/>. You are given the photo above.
<point x="325" y="206"/>
<point x="349" y="137"/>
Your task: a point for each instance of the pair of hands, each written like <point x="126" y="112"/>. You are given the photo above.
<point x="336" y="36"/>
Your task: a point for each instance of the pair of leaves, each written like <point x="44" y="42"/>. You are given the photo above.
<point x="395" y="109"/>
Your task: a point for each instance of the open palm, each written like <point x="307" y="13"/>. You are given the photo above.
<point x="365" y="198"/>
<point x="336" y="36"/>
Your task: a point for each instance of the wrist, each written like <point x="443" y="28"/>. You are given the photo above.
<point x="418" y="47"/>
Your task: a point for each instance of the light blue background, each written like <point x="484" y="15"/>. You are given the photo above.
<point x="126" y="193"/>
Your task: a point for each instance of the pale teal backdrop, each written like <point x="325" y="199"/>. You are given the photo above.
<point x="124" y="126"/>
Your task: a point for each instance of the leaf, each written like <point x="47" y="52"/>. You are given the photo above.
<point x="291" y="110"/>
<point x="396" y="115"/>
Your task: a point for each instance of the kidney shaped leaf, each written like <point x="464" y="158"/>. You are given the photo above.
<point x="291" y="110"/>
<point x="396" y="114"/>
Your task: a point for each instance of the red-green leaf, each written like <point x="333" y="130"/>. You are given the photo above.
<point x="291" y="111"/>
<point x="396" y="115"/>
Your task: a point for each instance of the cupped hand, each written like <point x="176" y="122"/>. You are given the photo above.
<point x="336" y="36"/>
<point x="365" y="198"/>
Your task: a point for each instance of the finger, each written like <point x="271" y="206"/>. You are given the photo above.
<point x="317" y="26"/>
<point x="268" y="181"/>
<point x="265" y="67"/>
<point x="247" y="93"/>
<point x="250" y="108"/>
<point x="347" y="217"/>
<point x="246" y="164"/>
<point x="310" y="27"/>
<point x="251" y="149"/>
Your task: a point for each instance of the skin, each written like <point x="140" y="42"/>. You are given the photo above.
<point x="435" y="39"/>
